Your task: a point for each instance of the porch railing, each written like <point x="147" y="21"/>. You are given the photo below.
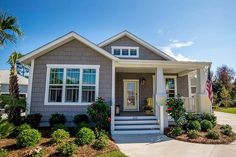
<point x="190" y="104"/>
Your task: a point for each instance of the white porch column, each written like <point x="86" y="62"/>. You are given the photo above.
<point x="113" y="97"/>
<point x="161" y="94"/>
<point x="29" y="90"/>
<point x="203" y="102"/>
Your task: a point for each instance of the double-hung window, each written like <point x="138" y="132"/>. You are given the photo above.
<point x="71" y="84"/>
<point x="171" y="86"/>
<point x="125" y="51"/>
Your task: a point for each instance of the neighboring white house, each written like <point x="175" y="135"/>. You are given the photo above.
<point x="4" y="83"/>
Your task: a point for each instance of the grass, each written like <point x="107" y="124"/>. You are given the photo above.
<point x="227" y="109"/>
<point x="113" y="154"/>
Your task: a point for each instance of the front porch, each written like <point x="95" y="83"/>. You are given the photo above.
<point x="137" y="86"/>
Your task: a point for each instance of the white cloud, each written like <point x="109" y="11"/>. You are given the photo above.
<point x="176" y="44"/>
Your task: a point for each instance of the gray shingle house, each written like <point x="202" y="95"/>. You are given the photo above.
<point x="68" y="74"/>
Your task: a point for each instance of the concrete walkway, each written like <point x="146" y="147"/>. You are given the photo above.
<point x="162" y="146"/>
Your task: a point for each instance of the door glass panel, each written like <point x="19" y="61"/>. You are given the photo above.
<point x="131" y="94"/>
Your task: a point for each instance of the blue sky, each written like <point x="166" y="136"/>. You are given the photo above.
<point x="187" y="29"/>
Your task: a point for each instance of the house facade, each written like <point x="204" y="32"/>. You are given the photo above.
<point x="68" y="74"/>
<point x="4" y="83"/>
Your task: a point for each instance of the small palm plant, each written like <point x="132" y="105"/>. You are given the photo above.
<point x="6" y="128"/>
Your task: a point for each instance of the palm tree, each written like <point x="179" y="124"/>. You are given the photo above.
<point x="13" y="84"/>
<point x="9" y="30"/>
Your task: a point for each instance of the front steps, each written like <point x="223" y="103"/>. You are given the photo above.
<point x="136" y="125"/>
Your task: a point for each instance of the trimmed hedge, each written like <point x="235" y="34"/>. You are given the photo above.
<point x="85" y="136"/>
<point x="81" y="118"/>
<point x="60" y="135"/>
<point x="28" y="138"/>
<point x="33" y="119"/>
<point x="57" y="118"/>
<point x="205" y="125"/>
<point x="194" y="125"/>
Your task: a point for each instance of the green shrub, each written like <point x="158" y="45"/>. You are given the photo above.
<point x="209" y="117"/>
<point x="211" y="134"/>
<point x="194" y="125"/>
<point x="101" y="140"/>
<point x="205" y="125"/>
<point x="59" y="126"/>
<point x="28" y="138"/>
<point x="81" y="125"/>
<point x="60" y="135"/>
<point x="99" y="113"/>
<point x="226" y="130"/>
<point x="3" y="152"/>
<point x="6" y="128"/>
<point x="67" y="149"/>
<point x="57" y="118"/>
<point x="22" y="127"/>
<point x="81" y="118"/>
<point x="33" y="119"/>
<point x="85" y="136"/>
<point x="176" y="131"/>
<point x="192" y="134"/>
<point x="192" y="117"/>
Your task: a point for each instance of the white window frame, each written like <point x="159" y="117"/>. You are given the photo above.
<point x="125" y="47"/>
<point x="67" y="66"/>
<point x="175" y="80"/>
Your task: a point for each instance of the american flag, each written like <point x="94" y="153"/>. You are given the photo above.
<point x="209" y="86"/>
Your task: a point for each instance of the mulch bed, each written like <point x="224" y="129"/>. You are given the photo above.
<point x="49" y="148"/>
<point x="202" y="137"/>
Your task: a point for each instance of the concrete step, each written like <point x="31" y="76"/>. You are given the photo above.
<point x="136" y="122"/>
<point x="136" y="132"/>
<point x="135" y="117"/>
<point x="136" y="127"/>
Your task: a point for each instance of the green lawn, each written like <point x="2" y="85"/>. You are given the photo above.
<point x="113" y="154"/>
<point x="227" y="110"/>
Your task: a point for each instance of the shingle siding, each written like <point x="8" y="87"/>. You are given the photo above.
<point x="73" y="52"/>
<point x="182" y="86"/>
<point x="144" y="53"/>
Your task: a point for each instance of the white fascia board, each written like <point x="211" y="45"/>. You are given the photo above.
<point x="60" y="41"/>
<point x="138" y="40"/>
<point x="155" y="63"/>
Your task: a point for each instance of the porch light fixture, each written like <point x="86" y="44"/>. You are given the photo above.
<point x="117" y="110"/>
<point x="142" y="80"/>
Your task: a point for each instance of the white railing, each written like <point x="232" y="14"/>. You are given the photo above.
<point x="160" y="113"/>
<point x="190" y="104"/>
<point x="112" y="118"/>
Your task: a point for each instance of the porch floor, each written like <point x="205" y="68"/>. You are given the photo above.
<point x="135" y="113"/>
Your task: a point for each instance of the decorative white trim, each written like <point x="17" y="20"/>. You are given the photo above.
<point x="124" y="93"/>
<point x="138" y="40"/>
<point x="66" y="66"/>
<point x="29" y="91"/>
<point x="113" y="83"/>
<point x="125" y="47"/>
<point x="60" y="41"/>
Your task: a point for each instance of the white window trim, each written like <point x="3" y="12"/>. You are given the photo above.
<point x="125" y="47"/>
<point x="65" y="66"/>
<point x="175" y="80"/>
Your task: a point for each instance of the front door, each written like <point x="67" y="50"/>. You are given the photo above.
<point x="131" y="95"/>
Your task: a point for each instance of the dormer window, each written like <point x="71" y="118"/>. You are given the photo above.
<point x="126" y="52"/>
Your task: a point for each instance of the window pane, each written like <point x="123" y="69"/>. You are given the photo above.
<point x="89" y="76"/>
<point x="133" y="52"/>
<point x="125" y="52"/>
<point x="55" y="94"/>
<point x="170" y="83"/>
<point x="72" y="93"/>
<point x="56" y="76"/>
<point x="116" y="52"/>
<point x="88" y="93"/>
<point x="72" y="76"/>
<point x="193" y="90"/>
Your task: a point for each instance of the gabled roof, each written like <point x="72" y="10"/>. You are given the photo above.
<point x="138" y="40"/>
<point x="4" y="78"/>
<point x="60" y="41"/>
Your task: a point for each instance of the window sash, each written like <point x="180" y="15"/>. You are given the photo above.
<point x="124" y="51"/>
<point x="75" y="89"/>
<point x="171" y="89"/>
